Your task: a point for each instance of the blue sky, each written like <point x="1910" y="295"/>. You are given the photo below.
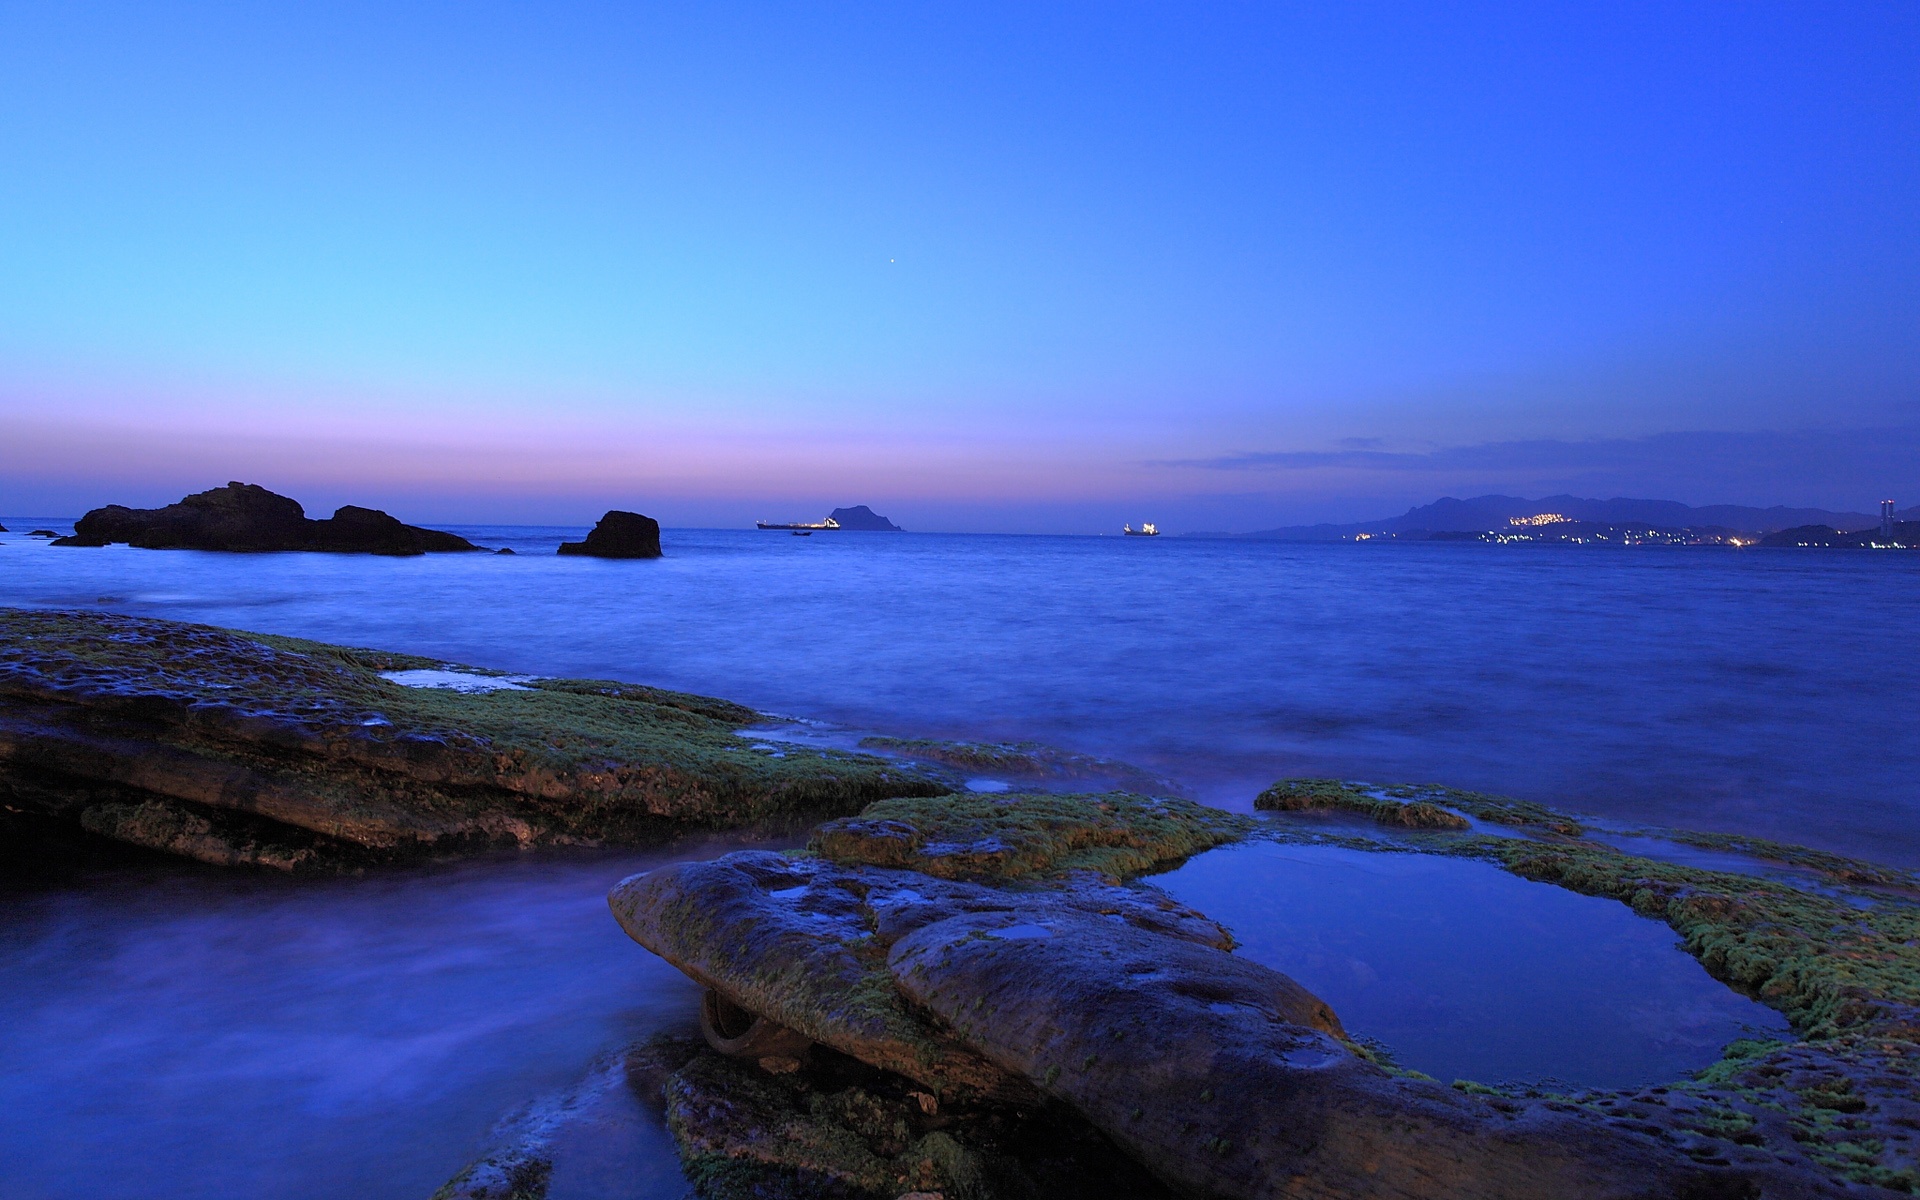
<point x="982" y="266"/>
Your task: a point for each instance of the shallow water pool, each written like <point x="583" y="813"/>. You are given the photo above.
<point x="1464" y="971"/>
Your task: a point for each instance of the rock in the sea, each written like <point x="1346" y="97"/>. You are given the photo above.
<point x="248" y="517"/>
<point x="619" y="535"/>
<point x="245" y="749"/>
<point x="43" y="533"/>
<point x="862" y="517"/>
<point x="353" y="529"/>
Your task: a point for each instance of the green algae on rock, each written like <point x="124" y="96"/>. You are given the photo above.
<point x="1409" y="806"/>
<point x="1322" y="795"/>
<point x="236" y="748"/>
<point x="1028" y="836"/>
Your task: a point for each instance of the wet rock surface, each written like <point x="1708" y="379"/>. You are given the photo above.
<point x="248" y="517"/>
<point x="804" y="943"/>
<point x="1031" y="986"/>
<point x="243" y="749"/>
<point x="619" y="535"/>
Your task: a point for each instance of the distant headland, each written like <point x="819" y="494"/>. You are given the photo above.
<point x="859" y="517"/>
<point x="1575" y="519"/>
<point x="862" y="517"/>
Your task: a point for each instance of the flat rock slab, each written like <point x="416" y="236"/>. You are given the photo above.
<point x="237" y="748"/>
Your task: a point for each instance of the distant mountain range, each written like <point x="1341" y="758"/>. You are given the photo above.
<point x="1495" y="512"/>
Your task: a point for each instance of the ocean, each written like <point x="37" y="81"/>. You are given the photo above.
<point x="182" y="1033"/>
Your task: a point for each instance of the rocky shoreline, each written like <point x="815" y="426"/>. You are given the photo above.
<point x="886" y="1009"/>
<point x="973" y="995"/>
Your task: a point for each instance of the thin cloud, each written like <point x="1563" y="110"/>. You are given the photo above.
<point x="1864" y="449"/>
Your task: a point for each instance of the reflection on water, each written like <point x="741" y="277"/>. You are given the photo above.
<point x="197" y="1036"/>
<point x="1467" y="972"/>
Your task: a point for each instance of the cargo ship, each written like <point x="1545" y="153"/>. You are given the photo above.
<point x="1147" y="529"/>
<point x="809" y="526"/>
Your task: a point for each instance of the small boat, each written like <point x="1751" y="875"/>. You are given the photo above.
<point x="1147" y="529"/>
<point x="803" y="533"/>
<point x="796" y="526"/>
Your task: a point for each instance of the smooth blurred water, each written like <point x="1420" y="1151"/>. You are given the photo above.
<point x="1767" y="692"/>
<point x="198" y="1036"/>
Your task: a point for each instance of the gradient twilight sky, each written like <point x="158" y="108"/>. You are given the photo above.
<point x="983" y="266"/>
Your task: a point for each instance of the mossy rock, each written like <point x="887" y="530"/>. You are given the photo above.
<point x="1015" y="836"/>
<point x="1330" y="795"/>
<point x="237" y="748"/>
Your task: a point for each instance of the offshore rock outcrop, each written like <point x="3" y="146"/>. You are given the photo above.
<point x="248" y="517"/>
<point x="860" y="517"/>
<point x="619" y="535"/>
<point x="245" y="749"/>
<point x="1006" y="976"/>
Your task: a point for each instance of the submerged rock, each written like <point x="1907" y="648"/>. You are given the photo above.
<point x="619" y="535"/>
<point x="245" y="749"/>
<point x="247" y="517"/>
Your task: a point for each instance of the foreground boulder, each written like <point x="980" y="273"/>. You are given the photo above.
<point x="803" y="943"/>
<point x="246" y="749"/>
<point x="619" y="535"/>
<point x="247" y="517"/>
